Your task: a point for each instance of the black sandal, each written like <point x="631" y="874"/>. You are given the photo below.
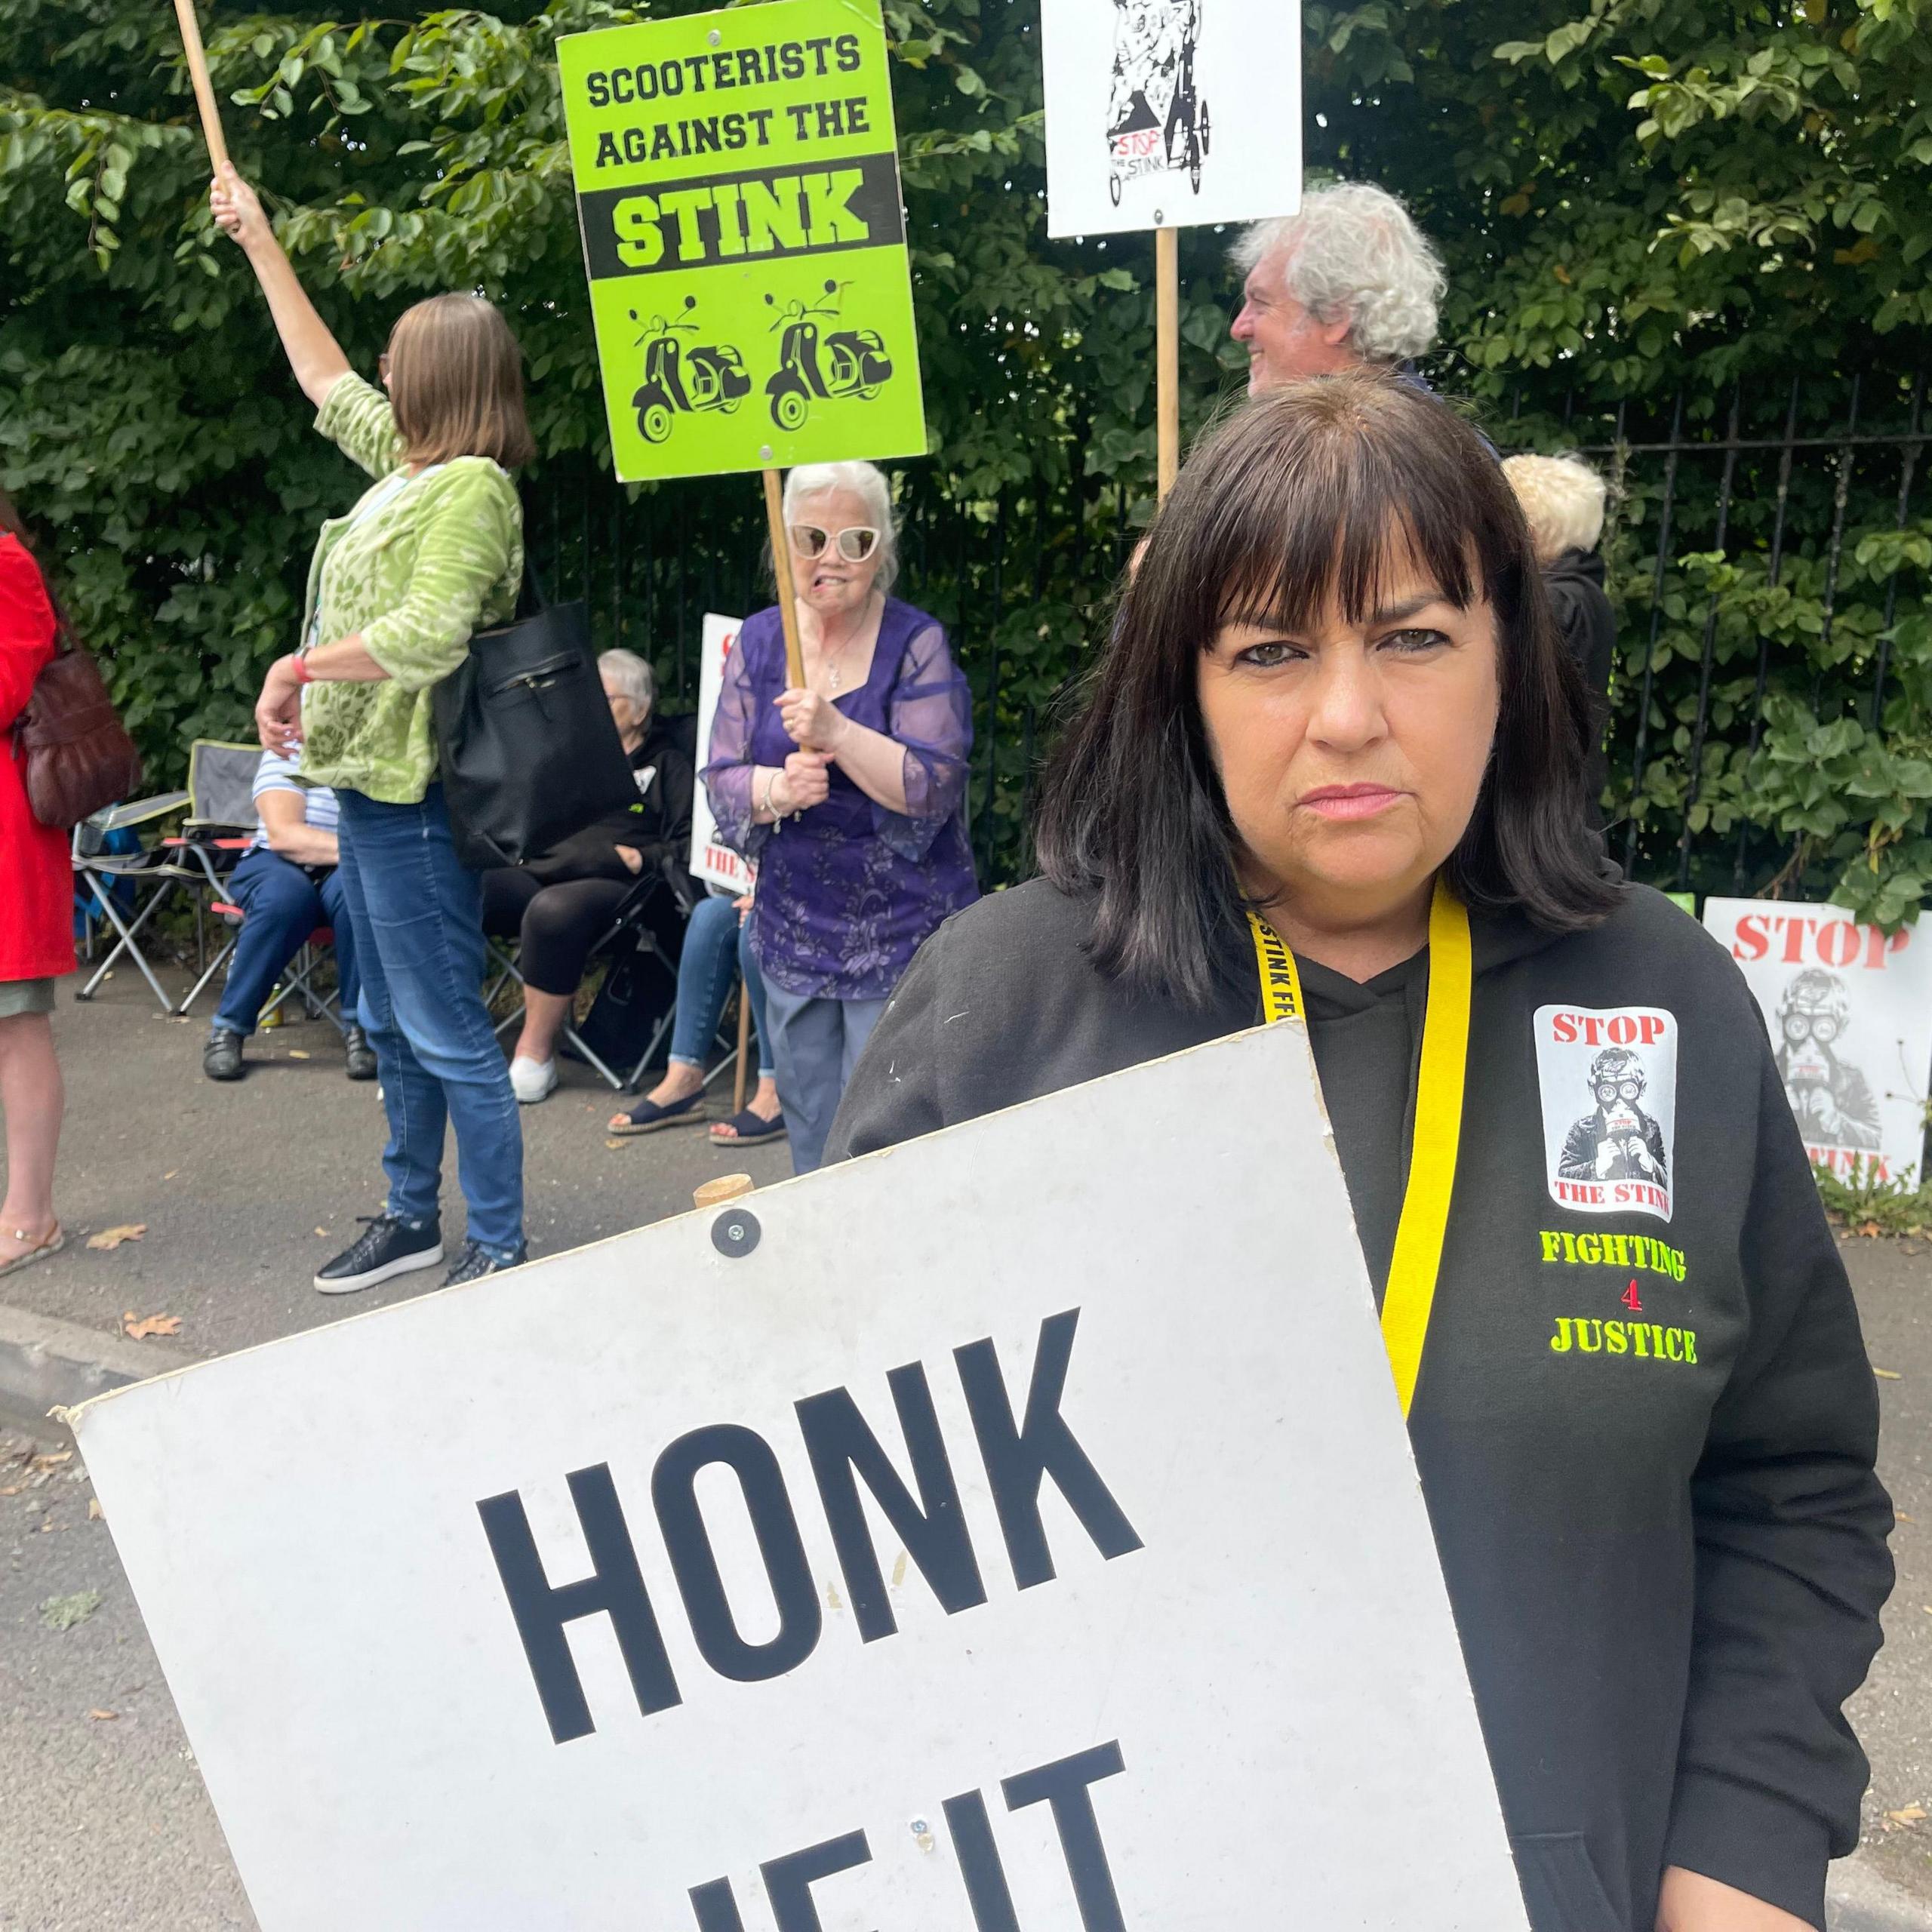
<point x="747" y="1129"/>
<point x="646" y="1117"/>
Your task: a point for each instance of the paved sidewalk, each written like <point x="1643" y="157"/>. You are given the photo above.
<point x="245" y="1189"/>
<point x="104" y="1822"/>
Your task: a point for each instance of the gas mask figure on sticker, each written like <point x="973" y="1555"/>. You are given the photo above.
<point x="1833" y="1100"/>
<point x="1618" y="1141"/>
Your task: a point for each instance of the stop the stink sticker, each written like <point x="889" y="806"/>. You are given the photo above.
<point x="1608" y="1079"/>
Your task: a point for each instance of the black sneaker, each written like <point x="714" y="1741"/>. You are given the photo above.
<point x="359" y="1056"/>
<point x="221" y="1058"/>
<point x="474" y="1262"/>
<point x="386" y="1247"/>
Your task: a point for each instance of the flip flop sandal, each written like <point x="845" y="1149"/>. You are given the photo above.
<point x="747" y="1130"/>
<point x="646" y="1117"/>
<point x="53" y="1245"/>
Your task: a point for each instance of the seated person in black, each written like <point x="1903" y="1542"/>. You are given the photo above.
<point x="562" y="902"/>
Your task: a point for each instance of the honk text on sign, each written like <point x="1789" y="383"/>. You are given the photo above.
<point x="971" y="1538"/>
<point x="737" y="182"/>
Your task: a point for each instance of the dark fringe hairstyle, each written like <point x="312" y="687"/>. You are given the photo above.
<point x="1297" y="499"/>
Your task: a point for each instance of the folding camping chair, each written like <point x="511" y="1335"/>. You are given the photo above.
<point x="626" y="923"/>
<point x="220" y="826"/>
<point x="100" y="877"/>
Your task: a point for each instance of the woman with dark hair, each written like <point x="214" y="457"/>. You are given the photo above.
<point x="431" y="554"/>
<point x="1331" y="768"/>
<point x="36" y="922"/>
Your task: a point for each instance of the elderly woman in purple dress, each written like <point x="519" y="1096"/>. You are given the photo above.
<point x="848" y="791"/>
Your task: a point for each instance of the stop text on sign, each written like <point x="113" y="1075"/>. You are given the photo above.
<point x="1019" y="1452"/>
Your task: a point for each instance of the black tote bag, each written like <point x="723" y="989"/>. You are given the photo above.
<point x="529" y="751"/>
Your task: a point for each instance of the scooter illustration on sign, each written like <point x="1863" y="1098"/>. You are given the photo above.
<point x="680" y="379"/>
<point x="848" y="362"/>
<point x="1156" y="119"/>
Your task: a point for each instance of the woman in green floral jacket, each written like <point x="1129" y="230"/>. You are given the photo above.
<point x="432" y="553"/>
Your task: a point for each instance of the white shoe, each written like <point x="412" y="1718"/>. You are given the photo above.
<point x="533" y="1080"/>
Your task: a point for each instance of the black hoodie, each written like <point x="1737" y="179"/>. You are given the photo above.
<point x="1645" y="1424"/>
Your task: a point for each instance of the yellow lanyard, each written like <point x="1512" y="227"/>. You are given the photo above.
<point x="1445" y="1052"/>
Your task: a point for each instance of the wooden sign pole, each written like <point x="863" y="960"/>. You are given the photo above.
<point x="198" y="72"/>
<point x="781" y="565"/>
<point x="1167" y="308"/>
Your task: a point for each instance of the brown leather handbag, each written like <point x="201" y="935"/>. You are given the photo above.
<point x="77" y="754"/>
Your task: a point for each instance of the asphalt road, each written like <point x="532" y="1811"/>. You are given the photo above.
<point x="104" y="1825"/>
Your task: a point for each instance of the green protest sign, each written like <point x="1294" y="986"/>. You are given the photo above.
<point x="738" y="183"/>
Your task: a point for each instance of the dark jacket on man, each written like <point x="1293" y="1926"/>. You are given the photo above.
<point x="1647" y="1439"/>
<point x="1588" y="621"/>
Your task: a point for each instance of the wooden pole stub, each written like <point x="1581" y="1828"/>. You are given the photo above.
<point x="726" y="1187"/>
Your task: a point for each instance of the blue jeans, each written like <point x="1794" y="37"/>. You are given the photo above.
<point x="418" y="919"/>
<point x="282" y="905"/>
<point x="717" y="951"/>
<point x="817" y="1043"/>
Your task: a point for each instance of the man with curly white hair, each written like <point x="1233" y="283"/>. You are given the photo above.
<point x="1350" y="282"/>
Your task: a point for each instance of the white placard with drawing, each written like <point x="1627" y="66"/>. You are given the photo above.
<point x="717" y="864"/>
<point x="1171" y="113"/>
<point x="1850" y="1012"/>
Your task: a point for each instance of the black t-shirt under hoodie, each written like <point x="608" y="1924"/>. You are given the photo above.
<point x="1646" y="1437"/>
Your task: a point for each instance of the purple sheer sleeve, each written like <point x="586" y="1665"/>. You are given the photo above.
<point x="728" y="771"/>
<point x="931" y="715"/>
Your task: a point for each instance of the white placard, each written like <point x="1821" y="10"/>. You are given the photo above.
<point x="1171" y="113"/>
<point x="990" y="1530"/>
<point x="718" y="864"/>
<point x="1850" y="1017"/>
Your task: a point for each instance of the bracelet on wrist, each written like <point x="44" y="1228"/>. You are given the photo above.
<point x="303" y="675"/>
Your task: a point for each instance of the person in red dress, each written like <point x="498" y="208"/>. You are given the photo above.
<point x="36" y="922"/>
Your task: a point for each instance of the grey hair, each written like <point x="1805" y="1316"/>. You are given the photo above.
<point x="862" y="480"/>
<point x="1563" y="501"/>
<point x="1353" y="253"/>
<point x="631" y="675"/>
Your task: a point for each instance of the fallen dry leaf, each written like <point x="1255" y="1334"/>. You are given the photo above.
<point x="94" y="1509"/>
<point x="110" y="1238"/>
<point x="1870" y="1229"/>
<point x="296" y="1053"/>
<point x="54" y="1459"/>
<point x="1887" y="1374"/>
<point x="170" y="1174"/>
<point x="614" y="1143"/>
<point x="139" y="1330"/>
<point x="323" y="1231"/>
<point x="104" y="1717"/>
<point x="1911" y="1815"/>
<point x="14" y="1491"/>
